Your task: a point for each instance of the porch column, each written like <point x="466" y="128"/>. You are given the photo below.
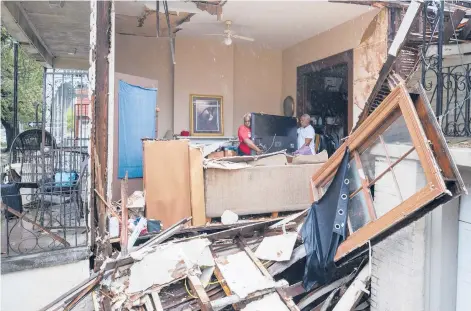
<point x="99" y="75"/>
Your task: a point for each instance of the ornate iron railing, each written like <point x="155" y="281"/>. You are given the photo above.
<point x="449" y="88"/>
<point x="49" y="211"/>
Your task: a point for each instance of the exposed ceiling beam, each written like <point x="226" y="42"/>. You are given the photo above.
<point x="16" y="20"/>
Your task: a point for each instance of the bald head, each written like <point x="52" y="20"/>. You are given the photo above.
<point x="305" y="120"/>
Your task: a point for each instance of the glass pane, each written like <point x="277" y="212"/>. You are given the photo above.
<point x="354" y="181"/>
<point x="374" y="160"/>
<point x="386" y="196"/>
<point x="397" y="134"/>
<point x="358" y="212"/>
<point x="410" y="175"/>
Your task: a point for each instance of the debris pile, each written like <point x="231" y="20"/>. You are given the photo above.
<point x="239" y="268"/>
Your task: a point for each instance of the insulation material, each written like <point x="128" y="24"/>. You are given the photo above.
<point x="277" y="248"/>
<point x="369" y="57"/>
<point x="241" y="274"/>
<point x="167" y="181"/>
<point x="240" y="191"/>
<point x="270" y="302"/>
<point x="169" y="262"/>
<point x="136" y="121"/>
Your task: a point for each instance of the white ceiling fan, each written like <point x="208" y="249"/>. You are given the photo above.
<point x="229" y="35"/>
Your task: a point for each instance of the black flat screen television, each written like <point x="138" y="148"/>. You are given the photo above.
<point x="274" y="133"/>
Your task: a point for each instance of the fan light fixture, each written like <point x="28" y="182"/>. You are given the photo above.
<point x="227" y="41"/>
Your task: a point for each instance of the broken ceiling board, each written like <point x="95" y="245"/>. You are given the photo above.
<point x="369" y="57"/>
<point x="270" y="302"/>
<point x="146" y="25"/>
<point x="168" y="263"/>
<point x="242" y="275"/>
<point x="277" y="248"/>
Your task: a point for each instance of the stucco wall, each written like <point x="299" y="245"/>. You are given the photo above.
<point x="30" y="290"/>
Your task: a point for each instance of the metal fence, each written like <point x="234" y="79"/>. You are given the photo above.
<point x="448" y="88"/>
<point x="46" y="183"/>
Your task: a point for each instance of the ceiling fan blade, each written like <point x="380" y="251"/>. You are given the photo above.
<point x="243" y="38"/>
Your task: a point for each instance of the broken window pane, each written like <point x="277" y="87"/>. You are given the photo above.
<point x="410" y="175"/>
<point x="386" y="195"/>
<point x="370" y="156"/>
<point x="358" y="212"/>
<point x="354" y="181"/>
<point x="397" y="134"/>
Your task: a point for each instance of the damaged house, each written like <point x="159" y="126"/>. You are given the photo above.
<point x="163" y="214"/>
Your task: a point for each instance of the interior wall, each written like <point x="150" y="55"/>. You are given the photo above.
<point x="204" y="67"/>
<point x="257" y="81"/>
<point x="149" y="58"/>
<point x="336" y="40"/>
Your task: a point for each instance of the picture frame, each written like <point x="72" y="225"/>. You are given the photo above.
<point x="206" y="115"/>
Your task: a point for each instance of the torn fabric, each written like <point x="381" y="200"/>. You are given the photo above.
<point x="325" y="228"/>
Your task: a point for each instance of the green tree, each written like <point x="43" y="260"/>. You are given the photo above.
<point x="30" y="79"/>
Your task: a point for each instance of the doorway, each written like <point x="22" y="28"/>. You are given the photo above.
<point x="324" y="91"/>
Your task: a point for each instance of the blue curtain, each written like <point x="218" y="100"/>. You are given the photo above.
<point x="136" y="121"/>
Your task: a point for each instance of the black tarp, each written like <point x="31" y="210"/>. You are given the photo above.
<point x="325" y="228"/>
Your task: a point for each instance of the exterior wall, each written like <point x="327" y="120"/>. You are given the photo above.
<point x="30" y="290"/>
<point x="339" y="39"/>
<point x="257" y="81"/>
<point x="417" y="267"/>
<point x="149" y="58"/>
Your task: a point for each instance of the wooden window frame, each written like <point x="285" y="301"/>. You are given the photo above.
<point x="398" y="103"/>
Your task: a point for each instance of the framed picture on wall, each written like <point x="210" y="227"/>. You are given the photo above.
<point x="206" y="115"/>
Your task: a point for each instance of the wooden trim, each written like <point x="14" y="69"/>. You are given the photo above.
<point x="221" y="98"/>
<point x="397" y="103"/>
<point x="435" y="136"/>
<point x="365" y="187"/>
<point x="394" y="216"/>
<point x="321" y="64"/>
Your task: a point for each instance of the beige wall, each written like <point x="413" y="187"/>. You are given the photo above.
<point x="339" y="39"/>
<point x="257" y="81"/>
<point x="149" y="58"/>
<point x="206" y="67"/>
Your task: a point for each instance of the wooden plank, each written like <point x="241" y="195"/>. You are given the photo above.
<point x="452" y="24"/>
<point x="110" y="208"/>
<point x="466" y="30"/>
<point x="323" y="290"/>
<point x="24" y="217"/>
<point x="167" y="180"/>
<point x="203" y="298"/>
<point x="157" y="303"/>
<point x="278" y="267"/>
<point x="124" y="213"/>
<point x="148" y="303"/>
<point x="198" y="209"/>
<point x="287" y="300"/>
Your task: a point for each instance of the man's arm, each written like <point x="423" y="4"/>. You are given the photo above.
<point x="310" y="135"/>
<point x="251" y="145"/>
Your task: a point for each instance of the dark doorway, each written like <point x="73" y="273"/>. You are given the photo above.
<point x="324" y="91"/>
